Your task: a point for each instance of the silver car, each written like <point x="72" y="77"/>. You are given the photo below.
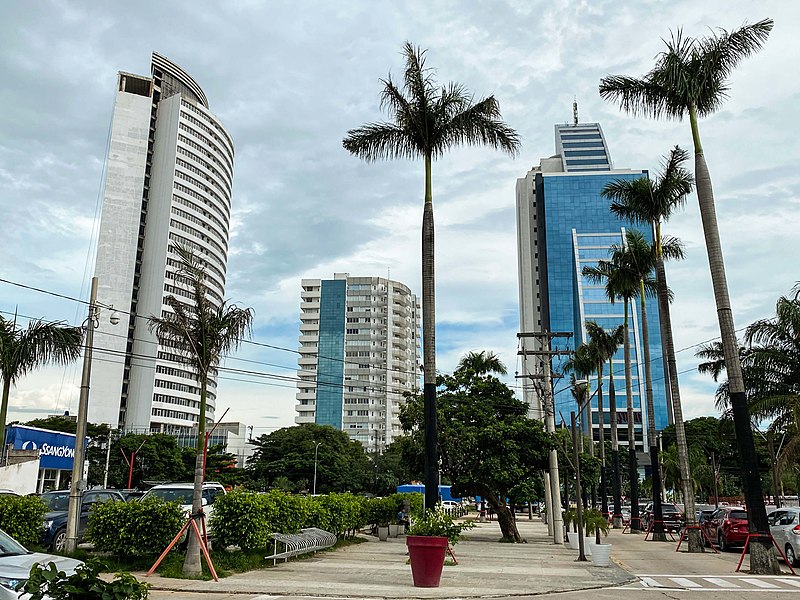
<point x="16" y="563"/>
<point x="784" y="525"/>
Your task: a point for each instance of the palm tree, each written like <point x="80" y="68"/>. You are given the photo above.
<point x="690" y="79"/>
<point x="620" y="283"/>
<point x="581" y="364"/>
<point x="426" y="122"/>
<point x="651" y="202"/>
<point x="482" y="363"/>
<point x="202" y="332"/>
<point x="23" y="350"/>
<point x="605" y="343"/>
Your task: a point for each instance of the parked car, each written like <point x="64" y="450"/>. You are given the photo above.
<point x="672" y="516"/>
<point x="16" y="563"/>
<point x="55" y="521"/>
<point x="132" y="494"/>
<point x="727" y="526"/>
<point x="784" y="524"/>
<point x="182" y="494"/>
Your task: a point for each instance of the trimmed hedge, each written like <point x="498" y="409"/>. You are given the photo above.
<point x="21" y="517"/>
<point x="129" y="528"/>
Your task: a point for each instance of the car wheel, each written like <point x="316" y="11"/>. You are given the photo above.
<point x="59" y="540"/>
<point x="723" y="547"/>
<point x="791" y="558"/>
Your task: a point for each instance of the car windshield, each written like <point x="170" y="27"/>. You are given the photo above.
<point x="56" y="501"/>
<point x="181" y="496"/>
<point x="9" y="546"/>
<point x="739" y="514"/>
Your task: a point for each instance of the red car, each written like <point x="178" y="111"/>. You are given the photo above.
<point x="727" y="526"/>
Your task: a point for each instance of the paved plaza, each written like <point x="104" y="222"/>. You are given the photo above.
<point x="487" y="568"/>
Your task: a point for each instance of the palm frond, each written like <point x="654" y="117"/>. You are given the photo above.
<point x="381" y="141"/>
<point x="478" y="124"/>
<point x="638" y="97"/>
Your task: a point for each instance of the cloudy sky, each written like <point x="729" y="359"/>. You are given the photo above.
<point x="288" y="79"/>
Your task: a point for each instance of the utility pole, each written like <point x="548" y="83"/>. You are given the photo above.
<point x="548" y="404"/>
<point x="578" y="492"/>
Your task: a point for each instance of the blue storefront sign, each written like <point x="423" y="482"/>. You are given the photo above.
<point x="56" y="449"/>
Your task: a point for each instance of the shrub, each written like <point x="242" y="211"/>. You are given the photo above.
<point x="130" y="528"/>
<point x="47" y="582"/>
<point x="21" y="517"/>
<point x="241" y="519"/>
<point x="381" y="511"/>
<point x="436" y="522"/>
<point x="339" y="513"/>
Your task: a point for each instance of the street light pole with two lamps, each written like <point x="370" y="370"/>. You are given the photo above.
<point x="78" y="483"/>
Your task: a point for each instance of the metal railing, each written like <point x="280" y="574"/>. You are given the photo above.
<point x="295" y="544"/>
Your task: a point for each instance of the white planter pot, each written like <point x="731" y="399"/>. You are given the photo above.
<point x="588" y="545"/>
<point x="394" y="529"/>
<point x="601" y="555"/>
<point x="573" y="540"/>
<point x="383" y="532"/>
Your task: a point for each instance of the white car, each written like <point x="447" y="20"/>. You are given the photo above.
<point x="16" y="563"/>
<point x="784" y="525"/>
<point x="182" y="494"/>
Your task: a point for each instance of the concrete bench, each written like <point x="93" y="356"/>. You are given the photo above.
<point x="295" y="544"/>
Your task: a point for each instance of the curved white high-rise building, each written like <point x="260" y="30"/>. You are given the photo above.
<point x="169" y="176"/>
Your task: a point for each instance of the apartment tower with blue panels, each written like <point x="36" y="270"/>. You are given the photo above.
<point x="359" y="355"/>
<point x="564" y="224"/>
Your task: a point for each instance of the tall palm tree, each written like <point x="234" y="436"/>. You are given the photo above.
<point x="23" y="350"/>
<point x="606" y="342"/>
<point x="620" y="284"/>
<point x="651" y="202"/>
<point x="426" y="122"/>
<point x="581" y="364"/>
<point x="690" y="78"/>
<point x="482" y="363"/>
<point x="202" y="332"/>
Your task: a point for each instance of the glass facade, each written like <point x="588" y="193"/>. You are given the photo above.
<point x="577" y="228"/>
<point x="330" y="363"/>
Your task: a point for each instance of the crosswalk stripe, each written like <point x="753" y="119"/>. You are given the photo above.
<point x="758" y="583"/>
<point x="650" y="582"/>
<point x="687" y="583"/>
<point x="790" y="581"/>
<point x="721" y="582"/>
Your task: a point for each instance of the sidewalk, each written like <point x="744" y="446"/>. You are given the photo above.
<point x="376" y="569"/>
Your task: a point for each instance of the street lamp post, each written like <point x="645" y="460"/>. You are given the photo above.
<point x="316" y="450"/>
<point x="78" y="483"/>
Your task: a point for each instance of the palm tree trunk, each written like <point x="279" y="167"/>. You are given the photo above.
<point x="4" y="416"/>
<point x="762" y="559"/>
<point x="633" y="470"/>
<point x="657" y="517"/>
<point x="695" y="538"/>
<point x="191" y="563"/>
<point x="429" y="345"/>
<point x="616" y="486"/>
<point x="601" y="427"/>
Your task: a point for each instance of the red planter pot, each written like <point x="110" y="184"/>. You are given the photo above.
<point x="427" y="559"/>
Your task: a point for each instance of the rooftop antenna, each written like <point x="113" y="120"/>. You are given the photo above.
<point x="575" y="111"/>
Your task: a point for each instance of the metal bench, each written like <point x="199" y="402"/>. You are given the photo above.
<point x="295" y="544"/>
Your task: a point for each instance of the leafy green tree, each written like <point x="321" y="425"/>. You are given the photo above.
<point x="23" y="350"/>
<point x="202" y="332"/>
<point x="342" y="463"/>
<point x="487" y="443"/>
<point x="158" y="459"/>
<point x="426" y="121"/>
<point x="690" y="78"/>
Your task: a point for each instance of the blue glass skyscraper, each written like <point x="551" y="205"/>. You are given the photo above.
<point x="564" y="224"/>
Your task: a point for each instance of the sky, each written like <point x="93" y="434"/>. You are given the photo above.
<point x="288" y="79"/>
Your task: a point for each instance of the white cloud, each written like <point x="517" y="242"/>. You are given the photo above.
<point x="289" y="80"/>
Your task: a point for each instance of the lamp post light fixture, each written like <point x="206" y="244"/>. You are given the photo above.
<point x="78" y="483"/>
<point x="316" y="451"/>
